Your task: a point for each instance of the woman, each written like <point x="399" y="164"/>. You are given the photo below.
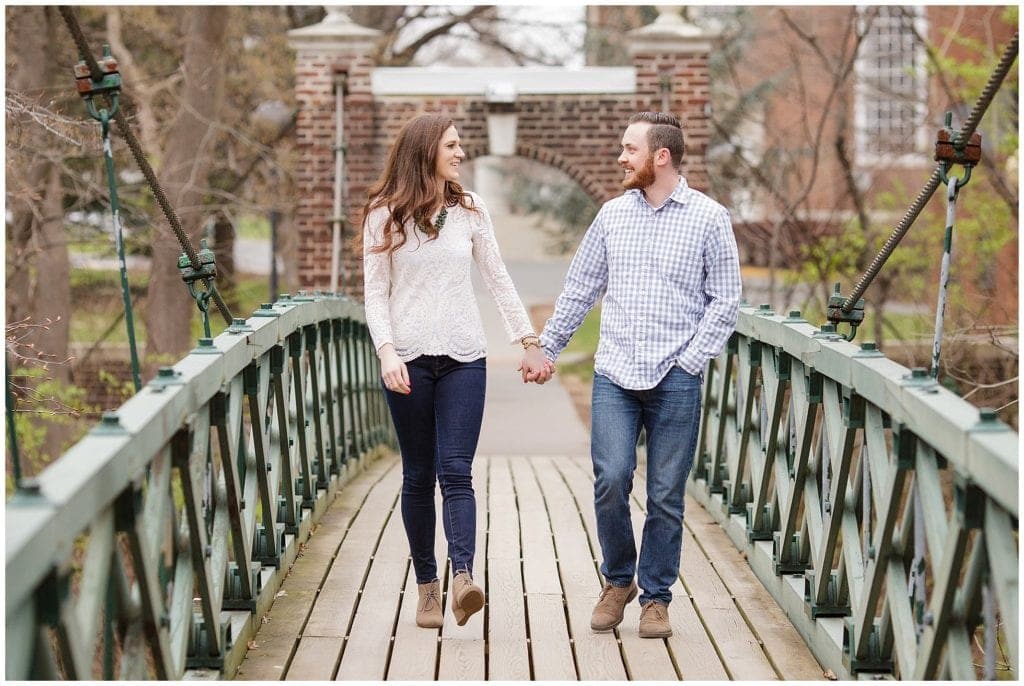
<point x="421" y="234"/>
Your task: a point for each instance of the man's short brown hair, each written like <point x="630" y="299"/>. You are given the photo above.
<point x="665" y="132"/>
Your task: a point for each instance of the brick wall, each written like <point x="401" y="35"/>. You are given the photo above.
<point x="578" y="134"/>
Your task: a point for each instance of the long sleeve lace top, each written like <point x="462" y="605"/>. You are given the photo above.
<point x="420" y="298"/>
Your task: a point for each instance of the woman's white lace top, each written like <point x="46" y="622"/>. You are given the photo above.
<point x="420" y="298"/>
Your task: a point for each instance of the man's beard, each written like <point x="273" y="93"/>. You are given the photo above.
<point x="641" y="178"/>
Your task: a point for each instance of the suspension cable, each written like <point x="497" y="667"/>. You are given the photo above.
<point x="980" y="107"/>
<point x="140" y="158"/>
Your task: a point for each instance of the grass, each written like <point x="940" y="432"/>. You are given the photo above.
<point x="252" y="226"/>
<point x="98" y="304"/>
<point x="582" y="344"/>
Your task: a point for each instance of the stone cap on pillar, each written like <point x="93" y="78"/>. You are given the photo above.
<point x="336" y="32"/>
<point x="669" y="33"/>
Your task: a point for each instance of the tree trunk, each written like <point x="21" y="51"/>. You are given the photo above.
<point x="52" y="294"/>
<point x="183" y="174"/>
<point x="224" y="248"/>
<point x="25" y="181"/>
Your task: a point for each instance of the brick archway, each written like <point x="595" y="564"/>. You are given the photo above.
<point x="571" y="120"/>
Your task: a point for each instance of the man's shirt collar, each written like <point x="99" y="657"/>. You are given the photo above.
<point x="680" y="194"/>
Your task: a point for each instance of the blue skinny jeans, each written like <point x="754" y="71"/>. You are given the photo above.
<point x="438" y="426"/>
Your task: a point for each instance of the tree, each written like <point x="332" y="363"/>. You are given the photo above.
<point x="184" y="165"/>
<point x="37" y="257"/>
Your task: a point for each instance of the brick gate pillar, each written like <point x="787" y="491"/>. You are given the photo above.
<point x="671" y="61"/>
<point x="334" y="53"/>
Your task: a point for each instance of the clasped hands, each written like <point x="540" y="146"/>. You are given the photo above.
<point x="535" y="366"/>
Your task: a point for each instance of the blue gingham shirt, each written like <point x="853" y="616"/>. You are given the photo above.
<point x="671" y="278"/>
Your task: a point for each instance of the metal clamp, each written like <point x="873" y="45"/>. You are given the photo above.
<point x="109" y="84"/>
<point x="836" y="314"/>
<point x="951" y="148"/>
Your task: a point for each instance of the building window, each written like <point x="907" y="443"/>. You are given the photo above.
<point x="892" y="86"/>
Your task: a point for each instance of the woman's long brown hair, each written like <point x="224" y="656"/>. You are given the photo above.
<point x="408" y="184"/>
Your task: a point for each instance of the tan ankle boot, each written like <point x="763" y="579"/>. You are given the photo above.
<point x="428" y="610"/>
<point x="467" y="598"/>
<point x="611" y="605"/>
<point x="654" y="621"/>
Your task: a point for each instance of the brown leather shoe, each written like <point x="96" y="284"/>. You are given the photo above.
<point x="608" y="611"/>
<point x="654" y="621"/>
<point x="428" y="610"/>
<point x="467" y="598"/>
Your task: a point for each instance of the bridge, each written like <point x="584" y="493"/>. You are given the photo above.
<point x="237" y="519"/>
<point x="846" y="518"/>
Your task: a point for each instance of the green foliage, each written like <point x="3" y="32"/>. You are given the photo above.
<point x="98" y="303"/>
<point x="578" y="357"/>
<point x="252" y="226"/>
<point x="969" y="77"/>
<point x="46" y="405"/>
<point x="122" y="389"/>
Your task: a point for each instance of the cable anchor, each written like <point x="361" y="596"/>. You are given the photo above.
<point x="109" y="84"/>
<point x="836" y="314"/>
<point x="206" y="274"/>
<point x="951" y="148"/>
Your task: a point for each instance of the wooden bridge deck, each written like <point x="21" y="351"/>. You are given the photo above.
<point x="346" y="609"/>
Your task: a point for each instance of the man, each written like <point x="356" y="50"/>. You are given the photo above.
<point x="665" y="256"/>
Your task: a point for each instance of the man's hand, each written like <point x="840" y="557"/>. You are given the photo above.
<point x="535" y="366"/>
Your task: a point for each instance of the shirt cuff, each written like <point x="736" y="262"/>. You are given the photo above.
<point x="692" y="363"/>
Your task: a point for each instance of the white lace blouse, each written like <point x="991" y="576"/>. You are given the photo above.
<point x="420" y="299"/>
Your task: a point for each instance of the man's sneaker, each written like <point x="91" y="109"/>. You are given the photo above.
<point x="654" y="621"/>
<point x="428" y="610"/>
<point x="467" y="597"/>
<point x="608" y="611"/>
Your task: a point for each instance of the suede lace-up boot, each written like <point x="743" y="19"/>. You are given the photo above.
<point x="467" y="598"/>
<point x="654" y="621"/>
<point x="610" y="606"/>
<point x="428" y="610"/>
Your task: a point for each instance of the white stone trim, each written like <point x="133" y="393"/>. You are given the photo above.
<point x="525" y="80"/>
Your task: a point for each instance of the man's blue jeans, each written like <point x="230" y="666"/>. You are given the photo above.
<point x="438" y="426"/>
<point x="670" y="414"/>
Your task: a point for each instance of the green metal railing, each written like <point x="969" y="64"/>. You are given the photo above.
<point x="155" y="545"/>
<point x="878" y="508"/>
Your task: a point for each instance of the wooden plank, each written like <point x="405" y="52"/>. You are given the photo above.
<point x="368" y="645"/>
<point x="785" y="648"/>
<point x="461" y="659"/>
<point x="741" y="651"/>
<point x="549" y="638"/>
<point x="507" y="653"/>
<point x="502" y="513"/>
<point x="692" y="648"/>
<point x="598" y="657"/>
<point x="276" y="641"/>
<point x="540" y="575"/>
<point x="314" y="659"/>
<point x="508" y="656"/>
<point x="415" y="652"/>
<point x="647" y="659"/>
<point x="333" y="608"/>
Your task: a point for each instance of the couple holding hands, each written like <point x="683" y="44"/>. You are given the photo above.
<point x="665" y="258"/>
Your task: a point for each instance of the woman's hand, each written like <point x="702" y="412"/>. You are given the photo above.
<point x="393" y="371"/>
<point x="535" y="366"/>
